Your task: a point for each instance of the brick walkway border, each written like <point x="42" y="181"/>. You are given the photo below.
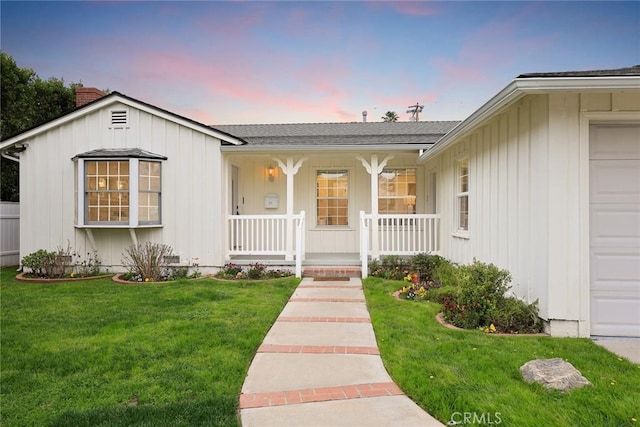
<point x="323" y="394"/>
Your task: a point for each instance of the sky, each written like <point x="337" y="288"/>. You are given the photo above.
<point x="236" y="62"/>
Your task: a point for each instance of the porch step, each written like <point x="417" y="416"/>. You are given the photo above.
<point x="332" y="271"/>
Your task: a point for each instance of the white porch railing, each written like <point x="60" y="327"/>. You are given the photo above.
<point x="397" y="235"/>
<point x="266" y="235"/>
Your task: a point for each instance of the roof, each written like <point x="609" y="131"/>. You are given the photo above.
<point x="116" y="97"/>
<point x="627" y="71"/>
<point x="621" y="79"/>
<point x="136" y="153"/>
<point x="340" y="134"/>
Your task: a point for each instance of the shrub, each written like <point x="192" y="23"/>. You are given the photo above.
<point x="147" y="260"/>
<point x="36" y="262"/>
<point x="390" y="267"/>
<point x="256" y="271"/>
<point x="515" y="316"/>
<point x="482" y="290"/>
<point x="425" y="265"/>
<point x="90" y="266"/>
<point x="49" y="264"/>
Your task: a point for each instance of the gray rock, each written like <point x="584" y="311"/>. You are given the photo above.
<point x="553" y="373"/>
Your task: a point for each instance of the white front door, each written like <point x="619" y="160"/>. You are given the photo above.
<point x="614" y="212"/>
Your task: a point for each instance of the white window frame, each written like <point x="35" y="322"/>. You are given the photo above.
<point x="460" y="194"/>
<point x="134" y="171"/>
<point x="400" y="197"/>
<point x="347" y="197"/>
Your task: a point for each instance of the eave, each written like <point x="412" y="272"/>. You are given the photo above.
<point x="521" y="87"/>
<point x="114" y="98"/>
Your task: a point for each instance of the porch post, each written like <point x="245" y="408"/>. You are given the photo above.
<point x="375" y="248"/>
<point x="289" y="170"/>
<point x="374" y="168"/>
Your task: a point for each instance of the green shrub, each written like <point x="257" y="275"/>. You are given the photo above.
<point x="146" y="261"/>
<point x="256" y="271"/>
<point x="49" y="264"/>
<point x="482" y="290"/>
<point x="36" y="261"/>
<point x="390" y="267"/>
<point x="515" y="316"/>
<point x="425" y="265"/>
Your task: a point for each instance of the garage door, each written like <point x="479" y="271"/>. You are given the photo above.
<point x="614" y="210"/>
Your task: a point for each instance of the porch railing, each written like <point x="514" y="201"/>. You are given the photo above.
<point x="397" y="235"/>
<point x="266" y="235"/>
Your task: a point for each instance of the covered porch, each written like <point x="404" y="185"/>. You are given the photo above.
<point x="302" y="196"/>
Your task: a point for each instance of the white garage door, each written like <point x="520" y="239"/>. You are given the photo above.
<point x="615" y="229"/>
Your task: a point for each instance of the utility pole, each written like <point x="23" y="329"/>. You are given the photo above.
<point x="415" y="111"/>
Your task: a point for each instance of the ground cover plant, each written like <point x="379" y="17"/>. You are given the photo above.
<point x="96" y="353"/>
<point x="452" y="373"/>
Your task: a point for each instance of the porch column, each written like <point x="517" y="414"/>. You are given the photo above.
<point x="290" y="170"/>
<point x="374" y="169"/>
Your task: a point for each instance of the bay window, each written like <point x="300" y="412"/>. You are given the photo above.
<point x="118" y="188"/>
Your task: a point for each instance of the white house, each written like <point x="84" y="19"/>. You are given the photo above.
<point x="543" y="180"/>
<point x="118" y="171"/>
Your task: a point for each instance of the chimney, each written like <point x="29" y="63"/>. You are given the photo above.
<point x="85" y="95"/>
<point x="364" y="116"/>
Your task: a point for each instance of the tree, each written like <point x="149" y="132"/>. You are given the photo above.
<point x="390" y="116"/>
<point x="26" y="101"/>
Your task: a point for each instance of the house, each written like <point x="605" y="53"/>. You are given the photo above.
<point x="542" y="180"/>
<point x="118" y="171"/>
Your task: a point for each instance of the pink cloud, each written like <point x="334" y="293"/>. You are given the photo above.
<point x="414" y="8"/>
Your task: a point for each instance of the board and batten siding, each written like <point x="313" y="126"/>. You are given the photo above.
<point x="191" y="183"/>
<point x="526" y="199"/>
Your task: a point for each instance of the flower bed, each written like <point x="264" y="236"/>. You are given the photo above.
<point x="27" y="277"/>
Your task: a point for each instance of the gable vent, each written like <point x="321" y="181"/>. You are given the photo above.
<point x="119" y="118"/>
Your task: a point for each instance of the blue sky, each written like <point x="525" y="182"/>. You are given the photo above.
<point x="294" y="62"/>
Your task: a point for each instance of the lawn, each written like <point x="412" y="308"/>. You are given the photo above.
<point x="95" y="353"/>
<point x="453" y="374"/>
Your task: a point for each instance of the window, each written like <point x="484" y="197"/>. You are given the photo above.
<point x="397" y="191"/>
<point x="462" y="195"/>
<point x="149" y="193"/>
<point x="118" y="188"/>
<point x="332" y="197"/>
<point x="107" y="191"/>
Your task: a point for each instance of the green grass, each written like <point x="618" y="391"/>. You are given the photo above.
<point x="77" y="353"/>
<point x="449" y="373"/>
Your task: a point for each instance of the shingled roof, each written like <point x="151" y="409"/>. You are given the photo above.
<point x="343" y="134"/>
<point x="618" y="72"/>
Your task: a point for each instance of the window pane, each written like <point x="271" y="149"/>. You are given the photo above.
<point x="106" y="190"/>
<point x="332" y="202"/>
<point x="464" y="213"/>
<point x="397" y="191"/>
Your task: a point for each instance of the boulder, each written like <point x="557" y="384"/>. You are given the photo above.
<point x="553" y="373"/>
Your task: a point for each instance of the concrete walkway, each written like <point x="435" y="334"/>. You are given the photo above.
<point x="319" y="365"/>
